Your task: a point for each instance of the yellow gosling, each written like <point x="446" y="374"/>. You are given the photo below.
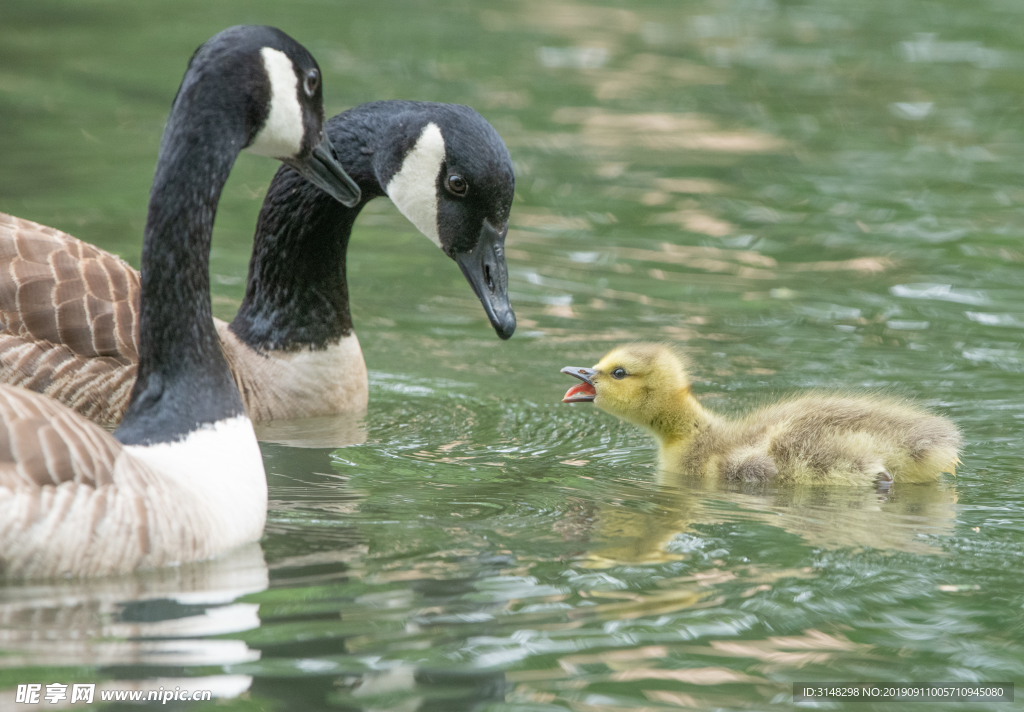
<point x="818" y="437"/>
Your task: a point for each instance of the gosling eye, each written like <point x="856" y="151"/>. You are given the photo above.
<point x="456" y="185"/>
<point x="311" y="83"/>
<point x="619" y="374"/>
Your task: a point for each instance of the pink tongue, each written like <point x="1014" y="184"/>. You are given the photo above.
<point x="579" y="389"/>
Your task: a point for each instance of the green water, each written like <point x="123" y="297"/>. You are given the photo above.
<point x="804" y="194"/>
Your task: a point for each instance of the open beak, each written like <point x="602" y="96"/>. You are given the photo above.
<point x="485" y="269"/>
<point x="581" y="392"/>
<point x="322" y="169"/>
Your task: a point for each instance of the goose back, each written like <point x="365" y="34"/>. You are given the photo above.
<point x="49" y="278"/>
<point x="70" y="319"/>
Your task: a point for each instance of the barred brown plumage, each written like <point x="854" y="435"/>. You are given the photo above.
<point x="65" y="479"/>
<point x="66" y="291"/>
<point x="70" y="330"/>
<point x="70" y="319"/>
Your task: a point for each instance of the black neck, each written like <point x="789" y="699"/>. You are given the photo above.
<point x="183" y="380"/>
<point x="297" y="294"/>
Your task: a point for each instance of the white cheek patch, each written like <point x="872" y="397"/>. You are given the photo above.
<point x="413" y="189"/>
<point x="281" y="135"/>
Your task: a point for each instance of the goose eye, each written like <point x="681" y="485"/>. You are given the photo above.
<point x="311" y="83"/>
<point x="619" y="373"/>
<point x="456" y="185"/>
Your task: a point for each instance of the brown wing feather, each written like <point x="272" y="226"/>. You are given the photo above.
<point x="69" y="314"/>
<point x="64" y="291"/>
<point x="43" y="443"/>
<point x="69" y="330"/>
<point x="96" y="388"/>
<point x="73" y="501"/>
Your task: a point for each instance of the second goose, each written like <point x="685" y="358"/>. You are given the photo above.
<point x="70" y="310"/>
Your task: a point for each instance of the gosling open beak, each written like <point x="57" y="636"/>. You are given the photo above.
<point x="485" y="269"/>
<point x="322" y="169"/>
<point x="581" y="392"/>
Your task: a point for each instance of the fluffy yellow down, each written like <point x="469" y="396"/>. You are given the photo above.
<point x="833" y="437"/>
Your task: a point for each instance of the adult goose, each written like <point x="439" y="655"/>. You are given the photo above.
<point x="182" y="478"/>
<point x="70" y="326"/>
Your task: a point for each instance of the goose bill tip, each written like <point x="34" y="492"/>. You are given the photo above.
<point x="485" y="269"/>
<point x="322" y="169"/>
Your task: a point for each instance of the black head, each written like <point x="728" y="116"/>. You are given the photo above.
<point x="283" y="97"/>
<point x="450" y="173"/>
<point x="250" y="87"/>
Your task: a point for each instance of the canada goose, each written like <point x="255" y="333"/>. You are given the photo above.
<point x="70" y="309"/>
<point x="182" y="478"/>
<point x="817" y="437"/>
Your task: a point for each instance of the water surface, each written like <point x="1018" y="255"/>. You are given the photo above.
<point x="807" y="194"/>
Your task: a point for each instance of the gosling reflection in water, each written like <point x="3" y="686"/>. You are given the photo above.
<point x="644" y="528"/>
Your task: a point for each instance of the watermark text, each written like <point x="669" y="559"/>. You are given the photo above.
<point x="76" y="693"/>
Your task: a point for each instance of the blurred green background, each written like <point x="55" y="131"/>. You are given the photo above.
<point x="804" y="193"/>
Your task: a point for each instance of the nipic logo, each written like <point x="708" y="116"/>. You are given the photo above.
<point x="32" y="694"/>
<point x="55" y="692"/>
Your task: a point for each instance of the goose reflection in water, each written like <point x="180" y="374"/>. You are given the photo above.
<point x="161" y="617"/>
<point x="320" y="432"/>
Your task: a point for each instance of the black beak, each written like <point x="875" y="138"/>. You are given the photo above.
<point x="584" y="374"/>
<point x="322" y="169"/>
<point x="485" y="269"/>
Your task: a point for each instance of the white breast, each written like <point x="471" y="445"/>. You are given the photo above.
<point x="413" y="189"/>
<point x="281" y="135"/>
<point x="297" y="384"/>
<point x="222" y="465"/>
